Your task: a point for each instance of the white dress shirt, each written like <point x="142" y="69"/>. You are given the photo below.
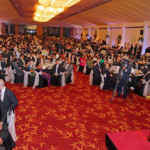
<point x="2" y="93"/>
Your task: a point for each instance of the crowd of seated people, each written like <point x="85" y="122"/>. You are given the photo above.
<point x="34" y="54"/>
<point x="53" y="58"/>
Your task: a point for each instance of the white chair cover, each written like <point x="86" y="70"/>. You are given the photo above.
<point x="72" y="77"/>
<point x="102" y="80"/>
<point x="11" y="74"/>
<point x="11" y="125"/>
<point x="37" y="78"/>
<point x="63" y="82"/>
<point x="146" y="90"/>
<point x="26" y="73"/>
<point x="84" y="70"/>
<point x="91" y="77"/>
<point x="7" y="74"/>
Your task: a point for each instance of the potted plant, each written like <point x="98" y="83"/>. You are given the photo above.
<point x="95" y="35"/>
<point x="141" y="39"/>
<point x="81" y="35"/>
<point x="107" y="36"/>
<point x="119" y="38"/>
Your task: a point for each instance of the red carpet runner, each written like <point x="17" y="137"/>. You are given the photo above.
<point x="75" y="117"/>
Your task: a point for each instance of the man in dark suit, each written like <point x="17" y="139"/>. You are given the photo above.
<point x="2" y="67"/>
<point x="124" y="78"/>
<point x="109" y="82"/>
<point x="96" y="74"/>
<point x="7" y="96"/>
<point x="21" y="61"/>
<point x="57" y="69"/>
<point x="5" y="137"/>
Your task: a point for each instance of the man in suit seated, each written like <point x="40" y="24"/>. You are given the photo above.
<point x="68" y="69"/>
<point x="96" y="74"/>
<point x="57" y="69"/>
<point x="21" y="61"/>
<point x="143" y="69"/>
<point x="2" y="67"/>
<point x="16" y="67"/>
<point x="5" y="137"/>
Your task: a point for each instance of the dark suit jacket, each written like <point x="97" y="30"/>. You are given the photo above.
<point x="4" y="133"/>
<point x="3" y="65"/>
<point x="60" y="68"/>
<point x="10" y="100"/>
<point x="20" y="63"/>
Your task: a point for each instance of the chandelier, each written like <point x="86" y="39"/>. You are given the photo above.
<point x="48" y="9"/>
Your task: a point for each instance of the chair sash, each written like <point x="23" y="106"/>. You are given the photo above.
<point x="84" y="70"/>
<point x="72" y="59"/>
<point x="102" y="80"/>
<point x="77" y="61"/>
<point x="11" y="125"/>
<point x="63" y="82"/>
<point x="37" y="79"/>
<point x="11" y="74"/>
<point x="26" y="73"/>
<point x="72" y="77"/>
<point x="91" y="77"/>
<point x="146" y="90"/>
<point x="7" y="74"/>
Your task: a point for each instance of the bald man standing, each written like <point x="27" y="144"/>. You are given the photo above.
<point x="7" y="97"/>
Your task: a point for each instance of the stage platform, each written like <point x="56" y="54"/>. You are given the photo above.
<point x="131" y="140"/>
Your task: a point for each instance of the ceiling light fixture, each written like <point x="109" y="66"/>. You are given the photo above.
<point x="48" y="9"/>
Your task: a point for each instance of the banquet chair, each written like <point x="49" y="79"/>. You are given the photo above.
<point x="26" y="76"/>
<point x="103" y="77"/>
<point x="18" y="78"/>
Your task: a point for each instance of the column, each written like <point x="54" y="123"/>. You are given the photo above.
<point x="9" y="29"/>
<point x="61" y="32"/>
<point x="89" y="32"/>
<point x="0" y="28"/>
<point x="145" y="42"/>
<point x="39" y="30"/>
<point x="72" y="33"/>
<point x="123" y="35"/>
<point x="108" y="33"/>
<point x="98" y="33"/>
<point x="84" y="34"/>
<point x="16" y="29"/>
<point x="3" y="28"/>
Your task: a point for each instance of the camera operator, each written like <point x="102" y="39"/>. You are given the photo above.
<point x="125" y="71"/>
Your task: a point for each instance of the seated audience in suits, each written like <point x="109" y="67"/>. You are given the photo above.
<point x="5" y="137"/>
<point x="96" y="74"/>
<point x="68" y="69"/>
<point x="2" y="67"/>
<point x="143" y="69"/>
<point x="136" y="65"/>
<point x="57" y="69"/>
<point x="21" y="61"/>
<point x="16" y="67"/>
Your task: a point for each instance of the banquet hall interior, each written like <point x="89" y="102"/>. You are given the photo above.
<point x="80" y="70"/>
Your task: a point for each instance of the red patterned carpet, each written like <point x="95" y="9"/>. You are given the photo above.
<point x="75" y="117"/>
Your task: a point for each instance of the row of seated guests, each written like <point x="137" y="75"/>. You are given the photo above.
<point x="53" y="75"/>
<point x="101" y="68"/>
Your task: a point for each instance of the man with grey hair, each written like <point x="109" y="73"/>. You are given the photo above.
<point x="7" y="97"/>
